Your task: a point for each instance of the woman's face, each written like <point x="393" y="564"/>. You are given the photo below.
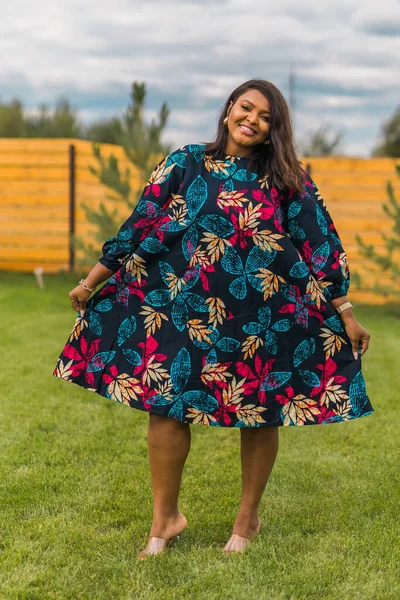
<point x="248" y="123"/>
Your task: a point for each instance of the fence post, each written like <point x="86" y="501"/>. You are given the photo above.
<point x="308" y="169"/>
<point x="71" y="228"/>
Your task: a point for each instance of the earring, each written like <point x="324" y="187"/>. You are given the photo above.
<point x="225" y="121"/>
<point x="266" y="142"/>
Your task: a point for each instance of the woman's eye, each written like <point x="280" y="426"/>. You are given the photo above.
<point x="246" y="107"/>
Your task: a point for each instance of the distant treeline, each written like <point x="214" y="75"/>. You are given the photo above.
<point x="61" y="122"/>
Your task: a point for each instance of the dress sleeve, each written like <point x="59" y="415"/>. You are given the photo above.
<point x="164" y="181"/>
<point x="314" y="234"/>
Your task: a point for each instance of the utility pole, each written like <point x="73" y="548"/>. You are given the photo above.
<point x="292" y="97"/>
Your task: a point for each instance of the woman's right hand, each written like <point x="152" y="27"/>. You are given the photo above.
<point x="78" y="298"/>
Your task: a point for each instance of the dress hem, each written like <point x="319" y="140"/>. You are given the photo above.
<point x="142" y="408"/>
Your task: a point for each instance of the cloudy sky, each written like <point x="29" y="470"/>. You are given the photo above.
<point x="345" y="56"/>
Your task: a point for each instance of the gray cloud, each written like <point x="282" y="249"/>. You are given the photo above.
<point x="192" y="53"/>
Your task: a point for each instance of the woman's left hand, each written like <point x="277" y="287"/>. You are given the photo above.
<point x="357" y="334"/>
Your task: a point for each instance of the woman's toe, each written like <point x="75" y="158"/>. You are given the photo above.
<point x="155" y="546"/>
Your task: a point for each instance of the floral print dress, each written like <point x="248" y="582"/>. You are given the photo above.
<point x="216" y="313"/>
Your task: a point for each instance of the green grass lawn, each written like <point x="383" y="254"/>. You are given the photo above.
<point x="76" y="497"/>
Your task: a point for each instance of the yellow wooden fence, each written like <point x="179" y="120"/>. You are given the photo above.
<point x="35" y="202"/>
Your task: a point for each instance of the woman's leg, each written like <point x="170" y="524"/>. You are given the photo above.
<point x="258" y="449"/>
<point x="168" y="447"/>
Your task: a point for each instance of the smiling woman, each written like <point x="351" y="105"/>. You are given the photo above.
<point x="226" y="307"/>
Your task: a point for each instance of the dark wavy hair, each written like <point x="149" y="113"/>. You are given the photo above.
<point x="278" y="159"/>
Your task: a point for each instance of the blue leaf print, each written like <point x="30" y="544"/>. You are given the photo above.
<point x="232" y="262"/>
<point x="191" y="276"/>
<point x="294" y="209"/>
<point x="149" y="209"/>
<point x="196" y="195"/>
<point x="127" y="327"/>
<point x="216" y="225"/>
<point x="179" y="158"/>
<point x="274" y="380"/>
<point x="189" y="242"/>
<point x="271" y="342"/>
<point x="334" y="238"/>
<point x="95" y="323"/>
<point x="295" y="231"/>
<point x="264" y="316"/>
<point x="282" y="325"/>
<point x="200" y="400"/>
<point x="158" y="298"/>
<point x="299" y="270"/>
<point x="153" y="245"/>
<point x="104" y="305"/>
<point x="126" y="235"/>
<point x="227" y="344"/>
<point x="321" y="220"/>
<point x="132" y="357"/>
<point x="253" y="328"/>
<point x="174" y="226"/>
<point x="228" y="186"/>
<point x="99" y="361"/>
<point x="211" y="357"/>
<point x="335" y="323"/>
<point x="166" y="271"/>
<point x="180" y="370"/>
<point x="255" y="282"/>
<point x="159" y="400"/>
<point x="176" y="411"/>
<point x="358" y="394"/>
<point x="320" y="256"/>
<point x="213" y="335"/>
<point x="310" y="378"/>
<point x="259" y="259"/>
<point x="197" y="150"/>
<point x="179" y="313"/>
<point x="196" y="302"/>
<point x="238" y="287"/>
<point x="244" y="175"/>
<point x="303" y="351"/>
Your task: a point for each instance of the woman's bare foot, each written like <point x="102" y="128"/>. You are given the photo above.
<point x="162" y="536"/>
<point x="243" y="532"/>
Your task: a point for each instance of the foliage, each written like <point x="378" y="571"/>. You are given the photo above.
<point x="390" y="133"/>
<point x="142" y="145"/>
<point x="388" y="262"/>
<point x="322" y="143"/>
<point x="62" y="122"/>
<point x="105" y="131"/>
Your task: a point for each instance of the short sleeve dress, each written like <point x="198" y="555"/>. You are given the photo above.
<point x="218" y="312"/>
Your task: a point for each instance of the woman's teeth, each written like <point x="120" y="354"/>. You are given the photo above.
<point x="247" y="130"/>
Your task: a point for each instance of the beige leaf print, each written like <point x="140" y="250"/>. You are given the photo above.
<point x="250" y="414"/>
<point x="299" y="410"/>
<point x="124" y="388"/>
<point x="136" y="265"/>
<point x="217" y="311"/>
<point x="153" y="319"/>
<point x="250" y="345"/>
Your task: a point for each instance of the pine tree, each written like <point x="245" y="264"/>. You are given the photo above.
<point x="388" y="262"/>
<point x="142" y="145"/>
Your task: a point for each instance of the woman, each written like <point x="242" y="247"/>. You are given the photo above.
<point x="226" y="306"/>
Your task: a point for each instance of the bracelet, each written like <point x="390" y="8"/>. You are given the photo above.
<point x="343" y="307"/>
<point x="85" y="285"/>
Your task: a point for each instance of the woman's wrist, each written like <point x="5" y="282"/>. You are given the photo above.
<point x="347" y="313"/>
<point x="97" y="275"/>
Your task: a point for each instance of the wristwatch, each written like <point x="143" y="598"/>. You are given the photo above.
<point x="343" y="307"/>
